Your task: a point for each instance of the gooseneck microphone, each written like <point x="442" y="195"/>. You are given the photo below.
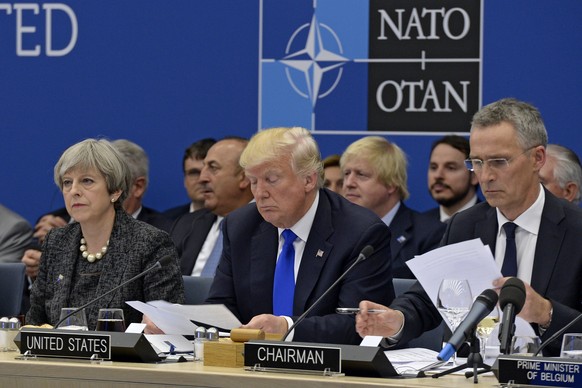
<point x="511" y="300"/>
<point x="158" y="264"/>
<point x="482" y="306"/>
<point x="557" y="334"/>
<point x="364" y="254"/>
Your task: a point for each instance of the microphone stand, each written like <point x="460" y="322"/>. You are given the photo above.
<point x="157" y="264"/>
<point x="474" y="360"/>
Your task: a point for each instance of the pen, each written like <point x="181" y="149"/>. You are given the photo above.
<point x="355" y="310"/>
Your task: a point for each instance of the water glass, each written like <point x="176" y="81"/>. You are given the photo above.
<point x="485" y="327"/>
<point x="454" y="300"/>
<point x="572" y="346"/>
<point x="110" y="320"/>
<point x="77" y="321"/>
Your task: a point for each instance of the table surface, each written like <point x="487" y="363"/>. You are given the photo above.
<point x="64" y="373"/>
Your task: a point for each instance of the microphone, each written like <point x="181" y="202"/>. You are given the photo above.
<point x="158" y="264"/>
<point x="557" y="334"/>
<point x="511" y="300"/>
<point x="364" y="254"/>
<point x="481" y="307"/>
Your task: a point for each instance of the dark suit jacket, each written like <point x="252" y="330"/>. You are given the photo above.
<point x="189" y="233"/>
<point x="413" y="233"/>
<point x="155" y="218"/>
<point x="175" y="212"/>
<point x="557" y="270"/>
<point x="133" y="247"/>
<point x="244" y="277"/>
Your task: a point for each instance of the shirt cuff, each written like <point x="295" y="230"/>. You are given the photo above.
<point x="289" y="324"/>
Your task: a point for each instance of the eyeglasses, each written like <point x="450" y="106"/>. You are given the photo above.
<point x="476" y="165"/>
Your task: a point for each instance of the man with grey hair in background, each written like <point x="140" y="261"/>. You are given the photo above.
<point x="562" y="173"/>
<point x="138" y="163"/>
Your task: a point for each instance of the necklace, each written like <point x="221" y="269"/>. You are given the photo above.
<point x="90" y="256"/>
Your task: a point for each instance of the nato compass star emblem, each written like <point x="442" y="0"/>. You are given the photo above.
<point x="314" y="60"/>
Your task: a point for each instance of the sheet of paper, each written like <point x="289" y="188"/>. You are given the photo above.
<point x="135" y="328"/>
<point x="469" y="260"/>
<point x="411" y="361"/>
<point x="211" y="315"/>
<point x="169" y="322"/>
<point x="214" y="315"/>
<point x="371" y="340"/>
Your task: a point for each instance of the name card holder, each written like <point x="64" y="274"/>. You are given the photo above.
<point x="538" y="371"/>
<point x="95" y="346"/>
<point x="81" y="345"/>
<point x="316" y="358"/>
<point x="289" y="357"/>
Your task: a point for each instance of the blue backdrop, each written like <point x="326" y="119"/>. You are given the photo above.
<point x="166" y="73"/>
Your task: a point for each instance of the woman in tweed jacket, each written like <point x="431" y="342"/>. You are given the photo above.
<point x="104" y="247"/>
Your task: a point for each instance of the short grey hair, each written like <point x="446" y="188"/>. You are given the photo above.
<point x="524" y="117"/>
<point x="567" y="168"/>
<point x="100" y="155"/>
<point x="136" y="158"/>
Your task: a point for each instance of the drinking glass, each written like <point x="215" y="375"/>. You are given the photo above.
<point x="454" y="301"/>
<point x="77" y="321"/>
<point x="486" y="326"/>
<point x="110" y="320"/>
<point x="572" y="346"/>
<point x="525" y="345"/>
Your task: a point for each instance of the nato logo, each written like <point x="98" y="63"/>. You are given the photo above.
<point x="351" y="66"/>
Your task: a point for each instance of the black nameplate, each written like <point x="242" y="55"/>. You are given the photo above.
<point x="282" y="355"/>
<point x="540" y="371"/>
<point x="71" y="344"/>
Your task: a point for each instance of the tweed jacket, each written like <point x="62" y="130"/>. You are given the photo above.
<point x="133" y="247"/>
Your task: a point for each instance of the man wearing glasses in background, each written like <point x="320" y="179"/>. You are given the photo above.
<point x="508" y="140"/>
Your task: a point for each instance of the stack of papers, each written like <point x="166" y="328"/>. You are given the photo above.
<point x="179" y="319"/>
<point x="469" y="260"/>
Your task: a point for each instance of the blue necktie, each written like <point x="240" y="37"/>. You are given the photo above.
<point x="509" y="267"/>
<point x="209" y="269"/>
<point x="284" y="284"/>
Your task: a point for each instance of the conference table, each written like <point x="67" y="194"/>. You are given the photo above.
<point x="63" y="373"/>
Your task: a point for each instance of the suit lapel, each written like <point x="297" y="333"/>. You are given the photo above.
<point x="400" y="228"/>
<point x="194" y="240"/>
<point x="66" y="253"/>
<point x="115" y="266"/>
<point x="315" y="255"/>
<point x="487" y="229"/>
<point x="263" y="258"/>
<point x="550" y="236"/>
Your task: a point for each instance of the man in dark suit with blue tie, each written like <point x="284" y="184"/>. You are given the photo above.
<point x="284" y="251"/>
<point x="508" y="140"/>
